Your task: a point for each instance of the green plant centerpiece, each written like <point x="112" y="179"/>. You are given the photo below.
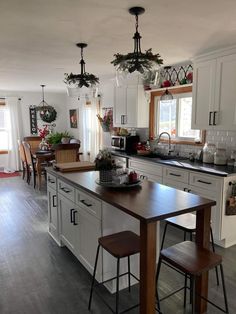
<point x="56" y="137"/>
<point x="104" y="164"/>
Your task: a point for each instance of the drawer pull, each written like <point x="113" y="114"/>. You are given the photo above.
<point x="73" y="214"/>
<point x="175" y="174"/>
<point x="87" y="204"/>
<point x="50" y="180"/>
<point x="65" y="190"/>
<point x="205" y="182"/>
<point x="53" y="200"/>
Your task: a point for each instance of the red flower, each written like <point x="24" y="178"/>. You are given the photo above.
<point x="43" y="132"/>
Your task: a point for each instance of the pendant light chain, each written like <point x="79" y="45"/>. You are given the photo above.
<point x="82" y="62"/>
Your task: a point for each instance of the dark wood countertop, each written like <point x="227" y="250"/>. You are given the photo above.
<point x="148" y="202"/>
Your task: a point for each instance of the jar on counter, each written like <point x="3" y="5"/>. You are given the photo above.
<point x="220" y="157"/>
<point x="208" y="153"/>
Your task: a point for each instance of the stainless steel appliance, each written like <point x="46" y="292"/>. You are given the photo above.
<point x="126" y="144"/>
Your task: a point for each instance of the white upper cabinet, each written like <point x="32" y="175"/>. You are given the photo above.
<point x="214" y="92"/>
<point x="131" y="108"/>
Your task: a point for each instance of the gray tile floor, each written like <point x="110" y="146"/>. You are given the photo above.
<point x="37" y="276"/>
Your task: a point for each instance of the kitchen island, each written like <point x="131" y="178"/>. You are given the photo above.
<point x="146" y="204"/>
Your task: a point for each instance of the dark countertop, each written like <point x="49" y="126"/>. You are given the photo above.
<point x="222" y="171"/>
<point x="146" y="202"/>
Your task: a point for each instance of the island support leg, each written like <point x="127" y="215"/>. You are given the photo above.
<point x="147" y="267"/>
<point x="203" y="240"/>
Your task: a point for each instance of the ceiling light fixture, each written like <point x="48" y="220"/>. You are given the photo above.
<point x="47" y="113"/>
<point x="84" y="79"/>
<point x="137" y="60"/>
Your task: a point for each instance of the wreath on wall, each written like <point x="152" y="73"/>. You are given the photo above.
<point x="47" y="113"/>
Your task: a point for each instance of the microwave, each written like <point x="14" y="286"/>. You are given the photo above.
<point x="126" y="144"/>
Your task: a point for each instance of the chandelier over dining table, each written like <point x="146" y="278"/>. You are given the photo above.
<point x="137" y="60"/>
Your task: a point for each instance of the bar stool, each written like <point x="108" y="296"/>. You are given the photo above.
<point x="187" y="223"/>
<point x="119" y="245"/>
<point x="188" y="259"/>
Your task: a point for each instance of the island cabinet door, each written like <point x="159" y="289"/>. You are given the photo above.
<point x="89" y="232"/>
<point x="68" y="222"/>
<point x="53" y="213"/>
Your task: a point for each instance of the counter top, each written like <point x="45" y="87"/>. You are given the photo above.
<point x="222" y="171"/>
<point x="146" y="202"/>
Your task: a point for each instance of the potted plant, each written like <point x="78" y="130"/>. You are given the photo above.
<point x="66" y="136"/>
<point x="104" y="164"/>
<point x="54" y="138"/>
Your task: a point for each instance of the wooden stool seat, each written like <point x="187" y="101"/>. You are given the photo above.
<point x="121" y="244"/>
<point x="186" y="222"/>
<point x="190" y="259"/>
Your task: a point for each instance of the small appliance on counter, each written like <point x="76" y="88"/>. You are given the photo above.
<point x="126" y="144"/>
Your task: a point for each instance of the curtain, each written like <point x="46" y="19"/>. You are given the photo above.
<point x="14" y="134"/>
<point x="89" y="129"/>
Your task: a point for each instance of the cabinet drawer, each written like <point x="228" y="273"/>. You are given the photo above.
<point x="52" y="181"/>
<point x="91" y="204"/>
<point x="66" y="190"/>
<point x="175" y="174"/>
<point x="204" y="181"/>
<point x="150" y="168"/>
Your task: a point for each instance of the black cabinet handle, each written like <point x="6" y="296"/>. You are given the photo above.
<point x="205" y="182"/>
<point x="185" y="189"/>
<point x="50" y="180"/>
<point x="73" y="214"/>
<point x="53" y="199"/>
<point x="122" y="119"/>
<point x="65" y="190"/>
<point x="175" y="174"/>
<point x="87" y="204"/>
<point x="214" y="117"/>
<point x="210" y="113"/>
<point x="189" y="190"/>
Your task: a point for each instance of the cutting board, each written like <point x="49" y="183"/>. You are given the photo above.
<point x="75" y="166"/>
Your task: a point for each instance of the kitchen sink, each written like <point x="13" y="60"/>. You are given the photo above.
<point x="166" y="157"/>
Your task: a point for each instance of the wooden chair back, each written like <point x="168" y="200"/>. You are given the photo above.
<point x="34" y="142"/>
<point x="22" y="151"/>
<point x="66" y="152"/>
<point x="28" y="154"/>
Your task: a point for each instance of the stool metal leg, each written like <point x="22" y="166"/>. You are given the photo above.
<point x="129" y="272"/>
<point x="224" y="290"/>
<point x="185" y="289"/>
<point x="213" y="249"/>
<point x="157" y="276"/>
<point x="164" y="235"/>
<point x="117" y="285"/>
<point x="94" y="274"/>
<point x="192" y="291"/>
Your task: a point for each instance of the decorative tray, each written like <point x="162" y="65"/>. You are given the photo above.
<point x="119" y="186"/>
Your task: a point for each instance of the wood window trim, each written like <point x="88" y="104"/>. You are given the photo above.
<point x="3" y="152"/>
<point x="177" y="90"/>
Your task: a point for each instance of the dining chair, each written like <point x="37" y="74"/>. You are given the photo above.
<point x="23" y="160"/>
<point x="66" y="152"/>
<point x="34" y="142"/>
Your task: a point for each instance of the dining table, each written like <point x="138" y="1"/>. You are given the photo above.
<point x="42" y="158"/>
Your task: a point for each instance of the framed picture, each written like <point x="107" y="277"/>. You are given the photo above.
<point x="73" y="118"/>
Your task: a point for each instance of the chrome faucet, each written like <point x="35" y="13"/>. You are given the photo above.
<point x="169" y="150"/>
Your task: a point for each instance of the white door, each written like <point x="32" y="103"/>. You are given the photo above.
<point x="225" y="102"/>
<point x="203" y="94"/>
<point x="52" y="212"/>
<point x="120" y="106"/>
<point x="89" y="232"/>
<point x="69" y="220"/>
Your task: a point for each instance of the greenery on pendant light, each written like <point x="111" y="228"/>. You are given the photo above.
<point x="84" y="79"/>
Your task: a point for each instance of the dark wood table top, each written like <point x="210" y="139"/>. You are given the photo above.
<point x="148" y="202"/>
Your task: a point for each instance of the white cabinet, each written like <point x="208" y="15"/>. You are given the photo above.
<point x="69" y="234"/>
<point x="53" y="214"/>
<point x="131" y="108"/>
<point x="147" y="171"/>
<point x="214" y="92"/>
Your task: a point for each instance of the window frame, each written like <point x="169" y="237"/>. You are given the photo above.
<point x="2" y="105"/>
<point x="152" y="120"/>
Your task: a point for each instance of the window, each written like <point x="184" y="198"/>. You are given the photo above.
<point x="174" y="116"/>
<point x="4" y="129"/>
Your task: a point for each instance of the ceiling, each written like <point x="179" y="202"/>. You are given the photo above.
<point x="38" y="37"/>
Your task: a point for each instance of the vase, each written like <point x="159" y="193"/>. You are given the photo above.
<point x="105" y="176"/>
<point x="105" y="127"/>
<point x="43" y="145"/>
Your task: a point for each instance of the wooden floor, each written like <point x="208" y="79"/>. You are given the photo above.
<point x="37" y="276"/>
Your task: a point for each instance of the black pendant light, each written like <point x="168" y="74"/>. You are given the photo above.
<point x="137" y="60"/>
<point x="47" y="113"/>
<point x="84" y="79"/>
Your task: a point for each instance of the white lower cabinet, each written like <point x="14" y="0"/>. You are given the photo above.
<point x="53" y="221"/>
<point x="69" y="231"/>
<point x="147" y="171"/>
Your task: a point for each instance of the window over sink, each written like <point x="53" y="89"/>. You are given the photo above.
<point x="174" y="116"/>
